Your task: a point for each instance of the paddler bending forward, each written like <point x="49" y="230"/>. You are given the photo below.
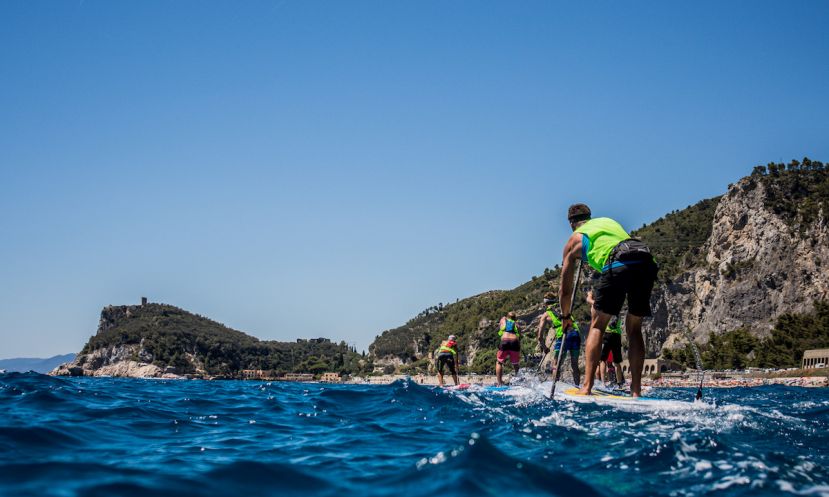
<point x="627" y="271"/>
<point x="447" y="355"/>
<point x="564" y="342"/>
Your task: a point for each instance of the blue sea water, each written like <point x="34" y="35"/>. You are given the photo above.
<point x="114" y="437"/>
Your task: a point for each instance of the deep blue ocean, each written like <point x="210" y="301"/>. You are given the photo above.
<point x="113" y="437"/>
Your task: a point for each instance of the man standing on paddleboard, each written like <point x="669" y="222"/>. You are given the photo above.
<point x="628" y="271"/>
<point x="510" y="346"/>
<point x="447" y="355"/>
<point x="565" y="341"/>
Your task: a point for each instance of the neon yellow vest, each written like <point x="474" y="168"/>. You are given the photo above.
<point x="557" y="324"/>
<point x="512" y="326"/>
<point x="616" y="329"/>
<point x="602" y="235"/>
<point x="444" y="347"/>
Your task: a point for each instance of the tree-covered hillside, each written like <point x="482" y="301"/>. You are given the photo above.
<point x="170" y="336"/>
<point x="738" y="349"/>
<point x="676" y="240"/>
<point x="473" y="320"/>
<point x="797" y="192"/>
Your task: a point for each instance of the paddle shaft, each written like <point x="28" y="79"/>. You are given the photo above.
<point x="564" y="333"/>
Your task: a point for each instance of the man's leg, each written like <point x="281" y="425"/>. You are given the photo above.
<point x="574" y="364"/>
<point x="441" y="364"/>
<point x="636" y="352"/>
<point x="499" y="368"/>
<point x="593" y="349"/>
<point x="620" y="377"/>
<point x="455" y="373"/>
<point x="602" y="372"/>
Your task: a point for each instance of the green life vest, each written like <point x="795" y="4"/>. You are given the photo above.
<point x="510" y="326"/>
<point x="445" y="347"/>
<point x="601" y="235"/>
<point x="557" y="323"/>
<point x="615" y="329"/>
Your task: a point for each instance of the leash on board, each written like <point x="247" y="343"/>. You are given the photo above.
<point x="564" y="334"/>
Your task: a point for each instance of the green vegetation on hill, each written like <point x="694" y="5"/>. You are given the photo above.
<point x="177" y="338"/>
<point x="797" y="192"/>
<point x="738" y="349"/>
<point x="676" y="240"/>
<point x="463" y="319"/>
<point x="793" y="334"/>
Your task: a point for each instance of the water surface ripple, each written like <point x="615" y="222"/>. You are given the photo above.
<point x="114" y="437"/>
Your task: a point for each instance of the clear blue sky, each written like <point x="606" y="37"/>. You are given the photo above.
<point x="299" y="169"/>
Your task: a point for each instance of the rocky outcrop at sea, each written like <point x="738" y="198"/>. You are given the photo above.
<point x="113" y="361"/>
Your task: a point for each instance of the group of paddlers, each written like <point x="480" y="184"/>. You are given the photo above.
<point x="627" y="273"/>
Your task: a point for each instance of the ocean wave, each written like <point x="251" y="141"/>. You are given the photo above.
<point x="110" y="436"/>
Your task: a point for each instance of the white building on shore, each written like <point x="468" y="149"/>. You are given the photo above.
<point x="815" y="358"/>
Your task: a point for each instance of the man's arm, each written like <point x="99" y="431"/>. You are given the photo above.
<point x="571" y="257"/>
<point x="540" y="332"/>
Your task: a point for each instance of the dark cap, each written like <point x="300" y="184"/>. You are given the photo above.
<point x="578" y="212"/>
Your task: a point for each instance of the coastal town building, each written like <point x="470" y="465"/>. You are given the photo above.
<point x="256" y="374"/>
<point x="297" y="377"/>
<point x="331" y="377"/>
<point x="653" y="366"/>
<point x="815" y="358"/>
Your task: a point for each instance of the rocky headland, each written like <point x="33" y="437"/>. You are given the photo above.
<point x="162" y="341"/>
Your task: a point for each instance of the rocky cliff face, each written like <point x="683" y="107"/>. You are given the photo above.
<point x="757" y="267"/>
<point x="125" y="361"/>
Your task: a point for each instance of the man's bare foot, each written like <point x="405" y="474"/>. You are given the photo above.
<point x="584" y="391"/>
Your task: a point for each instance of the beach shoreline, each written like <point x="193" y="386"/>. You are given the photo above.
<point x="691" y="381"/>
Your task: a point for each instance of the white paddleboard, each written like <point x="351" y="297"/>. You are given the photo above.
<point x="569" y="392"/>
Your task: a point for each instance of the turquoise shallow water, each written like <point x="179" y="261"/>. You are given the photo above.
<point x="111" y="437"/>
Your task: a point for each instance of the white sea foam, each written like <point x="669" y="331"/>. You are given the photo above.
<point x="818" y="490"/>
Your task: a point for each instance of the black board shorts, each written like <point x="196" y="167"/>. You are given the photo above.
<point x="634" y="280"/>
<point x="510" y="345"/>
<point x="446" y="359"/>
<point x="612" y="342"/>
